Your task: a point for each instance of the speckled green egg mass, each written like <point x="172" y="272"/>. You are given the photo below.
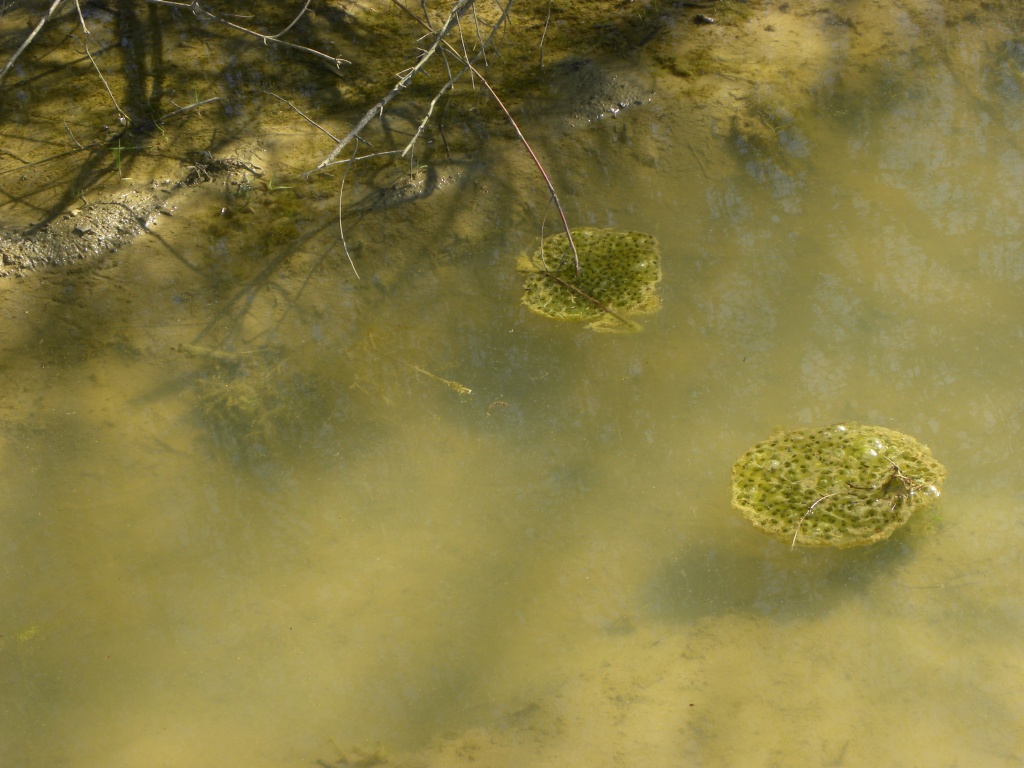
<point x="841" y="486"/>
<point x="619" y="271"/>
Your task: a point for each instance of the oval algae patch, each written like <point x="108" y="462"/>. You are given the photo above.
<point x="618" y="275"/>
<point x="840" y="486"/>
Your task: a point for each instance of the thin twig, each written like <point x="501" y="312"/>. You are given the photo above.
<point x="367" y="157"/>
<point x="341" y="227"/>
<point x="465" y="52"/>
<point x="440" y="130"/>
<point x="543" y="223"/>
<point x="378" y="108"/>
<point x="179" y="110"/>
<point x="77" y="142"/>
<point x="547" y="180"/>
<point x="19" y="159"/>
<point x="294" y="21"/>
<point x="103" y="80"/>
<point x="430" y="111"/>
<point x="479" y="37"/>
<point x="426" y="15"/>
<point x="81" y="18"/>
<point x="30" y="38"/>
<point x="499" y="24"/>
<point x="544" y="35"/>
<point x="792" y="544"/>
<point x="200" y="11"/>
<point x="305" y="117"/>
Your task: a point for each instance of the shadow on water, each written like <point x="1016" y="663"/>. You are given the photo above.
<point x="772" y="580"/>
<point x="242" y="484"/>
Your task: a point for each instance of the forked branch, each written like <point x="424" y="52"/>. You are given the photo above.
<point x="460" y="7"/>
<point x="30" y="38"/>
<point x="202" y="12"/>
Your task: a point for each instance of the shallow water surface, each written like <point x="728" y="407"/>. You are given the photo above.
<point x="256" y="520"/>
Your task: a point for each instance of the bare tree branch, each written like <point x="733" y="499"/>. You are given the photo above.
<point x="202" y="12"/>
<point x="466" y="68"/>
<point x="30" y="38"/>
<point x="439" y="40"/>
<point x="378" y="108"/>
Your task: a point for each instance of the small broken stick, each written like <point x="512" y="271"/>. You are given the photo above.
<point x="448" y="383"/>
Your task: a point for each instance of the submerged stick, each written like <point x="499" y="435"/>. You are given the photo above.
<point x="810" y="509"/>
<point x="544" y="34"/>
<point x="596" y="302"/>
<point x="81" y="18"/>
<point x="179" y="110"/>
<point x="303" y="115"/>
<point x="127" y="132"/>
<point x="447" y="382"/>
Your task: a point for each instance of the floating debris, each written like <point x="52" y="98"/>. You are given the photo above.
<point x="618" y="275"/>
<point x="841" y="486"/>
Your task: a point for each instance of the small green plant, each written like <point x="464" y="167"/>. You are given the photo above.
<point x="118" y="152"/>
<point x="156" y="124"/>
<point x="272" y="187"/>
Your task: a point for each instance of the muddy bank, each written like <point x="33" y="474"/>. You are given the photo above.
<point x="86" y="171"/>
<point x="88" y="168"/>
<point x="86" y="233"/>
<point x="82" y="234"/>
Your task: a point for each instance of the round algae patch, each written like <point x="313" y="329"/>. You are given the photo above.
<point x="841" y="486"/>
<point x="618" y="274"/>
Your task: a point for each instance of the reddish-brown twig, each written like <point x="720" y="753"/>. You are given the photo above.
<point x="547" y="180"/>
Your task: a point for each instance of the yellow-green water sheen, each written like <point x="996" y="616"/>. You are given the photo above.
<point x="318" y="546"/>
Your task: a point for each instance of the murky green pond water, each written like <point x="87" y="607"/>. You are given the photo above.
<point x="316" y="548"/>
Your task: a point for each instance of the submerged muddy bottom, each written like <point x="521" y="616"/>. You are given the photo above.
<point x="258" y="511"/>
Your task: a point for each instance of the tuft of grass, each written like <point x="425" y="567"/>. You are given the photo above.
<point x="118" y="153"/>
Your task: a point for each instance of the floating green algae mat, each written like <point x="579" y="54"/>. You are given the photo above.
<point x="840" y="486"/>
<point x="618" y="276"/>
